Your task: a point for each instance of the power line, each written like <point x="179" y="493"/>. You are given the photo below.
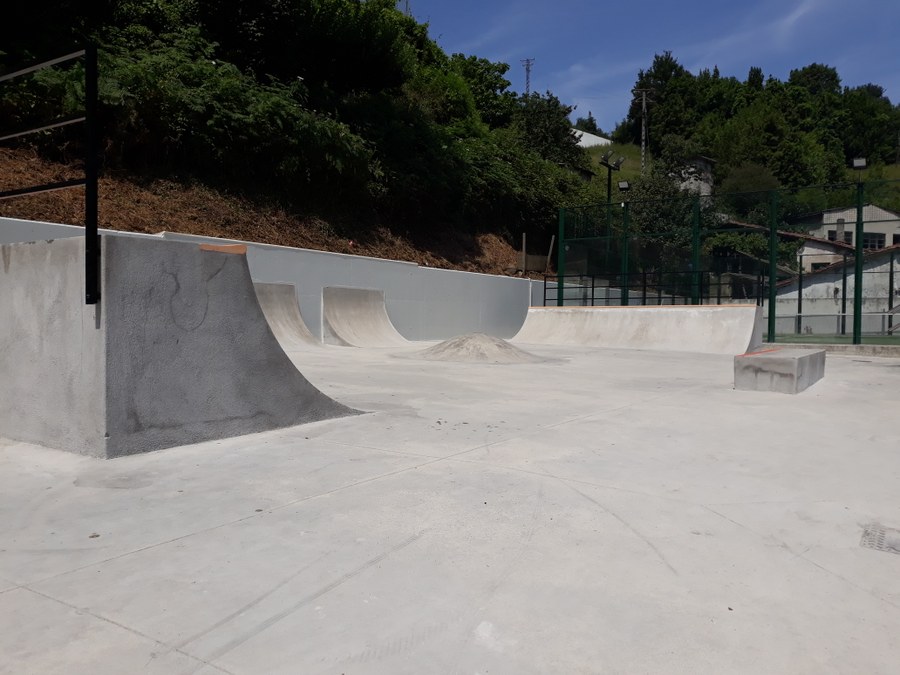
<point x="528" y="63"/>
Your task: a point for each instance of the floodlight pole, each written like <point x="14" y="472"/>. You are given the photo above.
<point x="858" y="265"/>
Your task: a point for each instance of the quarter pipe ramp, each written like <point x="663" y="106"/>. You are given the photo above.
<point x="357" y="317"/>
<point x="178" y="350"/>
<point x="279" y="304"/>
<point x="714" y="329"/>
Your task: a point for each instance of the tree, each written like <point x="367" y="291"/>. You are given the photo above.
<point x="489" y="86"/>
<point x="543" y="125"/>
<point x="588" y="124"/>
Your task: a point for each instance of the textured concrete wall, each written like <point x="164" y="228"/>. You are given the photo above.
<point x="52" y="345"/>
<point x="190" y="356"/>
<point x="423" y="303"/>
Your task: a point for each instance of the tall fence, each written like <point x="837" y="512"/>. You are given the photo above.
<point x="821" y="261"/>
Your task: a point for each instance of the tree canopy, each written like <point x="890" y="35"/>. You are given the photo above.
<point x="340" y="105"/>
<point x="803" y="131"/>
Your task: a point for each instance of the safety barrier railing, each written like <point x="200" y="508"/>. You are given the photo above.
<point x="91" y="169"/>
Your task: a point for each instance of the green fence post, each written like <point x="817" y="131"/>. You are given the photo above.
<point x="624" y="291"/>
<point x="773" y="262"/>
<point x="858" y="266"/>
<point x="695" y="252"/>
<point x="561" y="259"/>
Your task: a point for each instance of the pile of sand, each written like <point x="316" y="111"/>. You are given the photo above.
<point x="477" y="348"/>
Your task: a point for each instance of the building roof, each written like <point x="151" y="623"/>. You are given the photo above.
<point x="586" y="140"/>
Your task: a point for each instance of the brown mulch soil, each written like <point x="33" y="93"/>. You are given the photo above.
<point x="165" y="205"/>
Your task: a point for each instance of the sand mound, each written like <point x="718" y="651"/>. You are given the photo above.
<point x="477" y="348"/>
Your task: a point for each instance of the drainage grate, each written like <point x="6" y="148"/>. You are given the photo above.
<point x="881" y="538"/>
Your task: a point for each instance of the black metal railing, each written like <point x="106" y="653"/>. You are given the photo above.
<point x="91" y="168"/>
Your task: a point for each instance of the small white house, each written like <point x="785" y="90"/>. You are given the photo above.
<point x="881" y="227"/>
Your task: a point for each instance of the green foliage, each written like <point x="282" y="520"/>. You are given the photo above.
<point x="588" y="124"/>
<point x="489" y="87"/>
<point x="803" y="131"/>
<point x="344" y="105"/>
<point x="543" y="125"/>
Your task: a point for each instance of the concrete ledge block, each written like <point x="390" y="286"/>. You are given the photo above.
<point x="788" y="371"/>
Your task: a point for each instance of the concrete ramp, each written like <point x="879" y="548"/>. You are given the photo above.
<point x="713" y="329"/>
<point x="279" y="304"/>
<point x="177" y="352"/>
<point x="357" y="317"/>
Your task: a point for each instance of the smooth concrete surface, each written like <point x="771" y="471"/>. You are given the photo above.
<point x="786" y="370"/>
<point x="612" y="512"/>
<point x="357" y="317"/>
<point x="712" y="329"/>
<point x="52" y="348"/>
<point x="178" y="351"/>
<point x="424" y="303"/>
<point x="279" y="305"/>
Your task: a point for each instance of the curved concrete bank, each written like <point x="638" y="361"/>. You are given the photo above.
<point x="722" y="329"/>
<point x="177" y="352"/>
<point x="279" y="305"/>
<point x="357" y="317"/>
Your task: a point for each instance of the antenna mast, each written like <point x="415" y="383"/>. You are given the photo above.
<point x="643" y="93"/>
<point x="527" y="63"/>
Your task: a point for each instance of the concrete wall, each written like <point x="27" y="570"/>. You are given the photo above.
<point x="423" y="303"/>
<point x="177" y="352"/>
<point x="52" y="349"/>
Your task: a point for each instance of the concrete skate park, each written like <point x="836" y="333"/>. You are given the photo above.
<point x="254" y="459"/>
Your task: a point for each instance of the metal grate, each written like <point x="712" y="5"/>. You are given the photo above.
<point x="881" y="538"/>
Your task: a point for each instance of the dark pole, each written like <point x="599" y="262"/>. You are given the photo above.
<point x="91" y="236"/>
<point x="844" y="297"/>
<point x="561" y="259"/>
<point x="695" y="252"/>
<point x="624" y="291"/>
<point x="773" y="263"/>
<point x="800" y="298"/>
<point x="858" y="266"/>
<point x="891" y="294"/>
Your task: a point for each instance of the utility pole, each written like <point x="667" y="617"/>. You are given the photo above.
<point x="527" y="63"/>
<point x="643" y="93"/>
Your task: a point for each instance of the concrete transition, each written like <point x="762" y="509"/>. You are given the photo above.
<point x="788" y="371"/>
<point x="714" y="329"/>
<point x="282" y="311"/>
<point x="177" y="352"/>
<point x="357" y="317"/>
<point x="477" y="348"/>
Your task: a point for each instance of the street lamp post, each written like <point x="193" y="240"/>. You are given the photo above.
<point x="610" y="167"/>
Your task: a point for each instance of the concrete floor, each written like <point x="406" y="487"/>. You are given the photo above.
<point x="613" y="512"/>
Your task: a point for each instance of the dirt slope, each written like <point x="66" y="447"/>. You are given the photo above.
<point x="160" y="205"/>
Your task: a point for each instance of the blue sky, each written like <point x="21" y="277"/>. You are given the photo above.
<point x="588" y="53"/>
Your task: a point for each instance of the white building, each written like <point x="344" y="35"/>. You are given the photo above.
<point x="881" y="227"/>
<point x="586" y="140"/>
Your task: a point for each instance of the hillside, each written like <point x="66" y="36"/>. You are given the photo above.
<point x="133" y="205"/>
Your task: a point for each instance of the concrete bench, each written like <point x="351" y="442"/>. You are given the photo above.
<point x="786" y="370"/>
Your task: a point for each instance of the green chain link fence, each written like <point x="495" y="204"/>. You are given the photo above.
<point x="821" y="260"/>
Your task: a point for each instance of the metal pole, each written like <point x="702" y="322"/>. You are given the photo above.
<point x="644" y="287"/>
<point x="561" y="259"/>
<point x="695" y="252"/>
<point x="844" y="297"/>
<point x="858" y="266"/>
<point x="624" y="295"/>
<point x="891" y="294"/>
<point x="91" y="237"/>
<point x="800" y="297"/>
<point x="773" y="262"/>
